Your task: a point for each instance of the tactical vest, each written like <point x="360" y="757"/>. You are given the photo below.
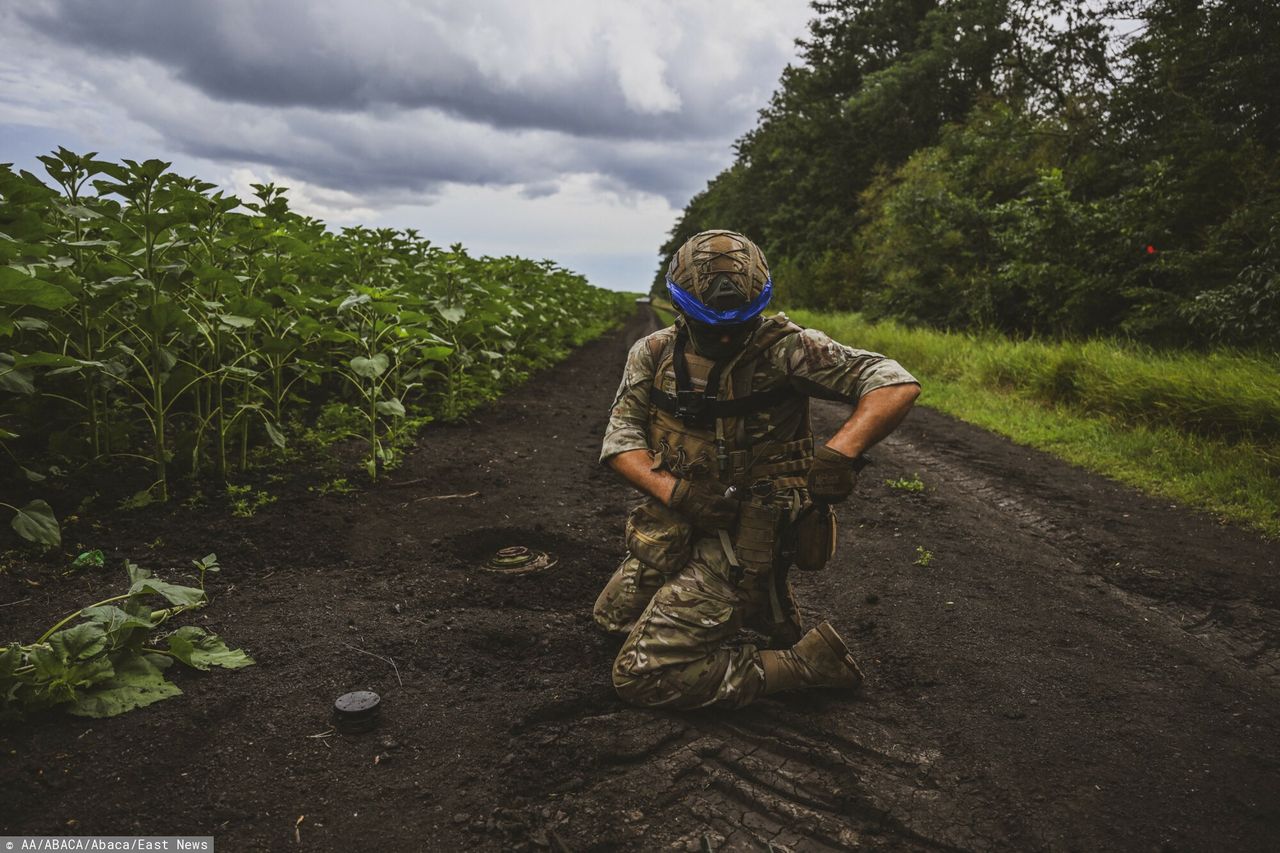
<point x="700" y="410"/>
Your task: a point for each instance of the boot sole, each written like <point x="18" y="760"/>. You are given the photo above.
<point x="838" y="646"/>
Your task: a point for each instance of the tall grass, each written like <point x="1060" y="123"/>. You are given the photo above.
<point x="1204" y="429"/>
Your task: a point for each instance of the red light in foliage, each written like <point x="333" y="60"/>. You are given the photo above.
<point x="1151" y="250"/>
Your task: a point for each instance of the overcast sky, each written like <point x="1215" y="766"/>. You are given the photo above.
<point x="569" y="130"/>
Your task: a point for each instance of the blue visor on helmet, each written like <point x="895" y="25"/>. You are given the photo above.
<point x="689" y="305"/>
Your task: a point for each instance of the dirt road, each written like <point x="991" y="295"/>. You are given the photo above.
<point x="1078" y="667"/>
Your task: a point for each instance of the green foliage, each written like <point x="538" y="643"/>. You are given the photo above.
<point x="1058" y="169"/>
<point x="94" y="559"/>
<point x="1247" y="310"/>
<point x="113" y="658"/>
<point x="245" y="501"/>
<point x="923" y="556"/>
<point x="336" y="486"/>
<point x="145" y="317"/>
<point x="36" y="522"/>
<point x="902" y="484"/>
<point x="1201" y="429"/>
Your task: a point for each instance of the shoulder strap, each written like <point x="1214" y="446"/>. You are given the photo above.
<point x="686" y="398"/>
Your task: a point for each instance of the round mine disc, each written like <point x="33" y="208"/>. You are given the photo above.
<point x="356" y="712"/>
<point x="519" y="560"/>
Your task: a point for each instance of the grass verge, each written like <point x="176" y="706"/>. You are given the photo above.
<point x="1201" y="431"/>
<point x="662" y="307"/>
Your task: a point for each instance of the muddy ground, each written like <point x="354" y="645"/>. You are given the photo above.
<point x="1078" y="667"/>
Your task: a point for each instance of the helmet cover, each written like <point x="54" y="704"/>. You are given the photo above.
<point x="719" y="278"/>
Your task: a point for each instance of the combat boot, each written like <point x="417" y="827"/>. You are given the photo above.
<point x="820" y="659"/>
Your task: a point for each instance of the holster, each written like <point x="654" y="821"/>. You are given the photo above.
<point x="659" y="537"/>
<point x="813" y="536"/>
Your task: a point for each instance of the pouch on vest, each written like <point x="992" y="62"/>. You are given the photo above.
<point x="755" y="536"/>
<point x="815" y="538"/>
<point x="658" y="537"/>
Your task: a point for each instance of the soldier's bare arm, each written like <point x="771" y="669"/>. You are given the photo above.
<point x="878" y="413"/>
<point x="880" y="389"/>
<point x="636" y="467"/>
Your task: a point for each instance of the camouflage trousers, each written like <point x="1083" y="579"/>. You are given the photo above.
<point x="679" y="627"/>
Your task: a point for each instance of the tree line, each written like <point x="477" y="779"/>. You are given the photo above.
<point x="1035" y="167"/>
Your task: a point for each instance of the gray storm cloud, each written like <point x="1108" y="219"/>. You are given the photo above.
<point x="402" y="97"/>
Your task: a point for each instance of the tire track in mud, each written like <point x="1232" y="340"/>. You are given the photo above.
<point x="759" y="780"/>
<point x="801" y="787"/>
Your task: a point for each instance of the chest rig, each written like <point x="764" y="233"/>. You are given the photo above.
<point x="706" y="421"/>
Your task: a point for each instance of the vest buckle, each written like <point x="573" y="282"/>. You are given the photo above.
<point x="690" y="406"/>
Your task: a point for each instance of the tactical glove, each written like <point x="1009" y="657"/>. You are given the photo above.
<point x="704" y="504"/>
<point x="832" y="476"/>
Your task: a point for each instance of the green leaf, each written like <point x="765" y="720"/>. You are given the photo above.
<point x="36" y="522"/>
<point x="391" y="407"/>
<point x="274" y="433"/>
<point x="120" y="625"/>
<point x="49" y="665"/>
<point x="137" y="682"/>
<point x="370" y="368"/>
<point x="354" y="299"/>
<point x="435" y="353"/>
<point x="198" y="648"/>
<point x="207" y="563"/>
<point x="79" y="211"/>
<point x="113" y="619"/>
<point x="241" y="372"/>
<point x="235" y="321"/>
<point x="80" y="642"/>
<point x="453" y="315"/>
<point x="16" y="381"/>
<point x="161" y="316"/>
<point x="89" y="559"/>
<point x="18" y="288"/>
<point x="138" y="499"/>
<point x="10" y="659"/>
<point x="136" y="573"/>
<point x="52" y="359"/>
<point x="172" y="592"/>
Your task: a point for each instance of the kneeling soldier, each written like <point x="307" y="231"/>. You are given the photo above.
<point x="711" y="422"/>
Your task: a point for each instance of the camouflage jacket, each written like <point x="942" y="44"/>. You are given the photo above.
<point x="807" y="360"/>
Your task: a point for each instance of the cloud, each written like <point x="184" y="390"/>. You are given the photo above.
<point x="569" y="112"/>
<point x="637" y="68"/>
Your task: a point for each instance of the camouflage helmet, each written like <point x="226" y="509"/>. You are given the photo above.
<point x="719" y="278"/>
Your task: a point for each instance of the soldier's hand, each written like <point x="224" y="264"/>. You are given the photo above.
<point x="704" y="504"/>
<point x="832" y="476"/>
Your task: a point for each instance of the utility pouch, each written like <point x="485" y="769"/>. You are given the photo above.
<point x="755" y="537"/>
<point x="815" y="537"/>
<point x="659" y="537"/>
